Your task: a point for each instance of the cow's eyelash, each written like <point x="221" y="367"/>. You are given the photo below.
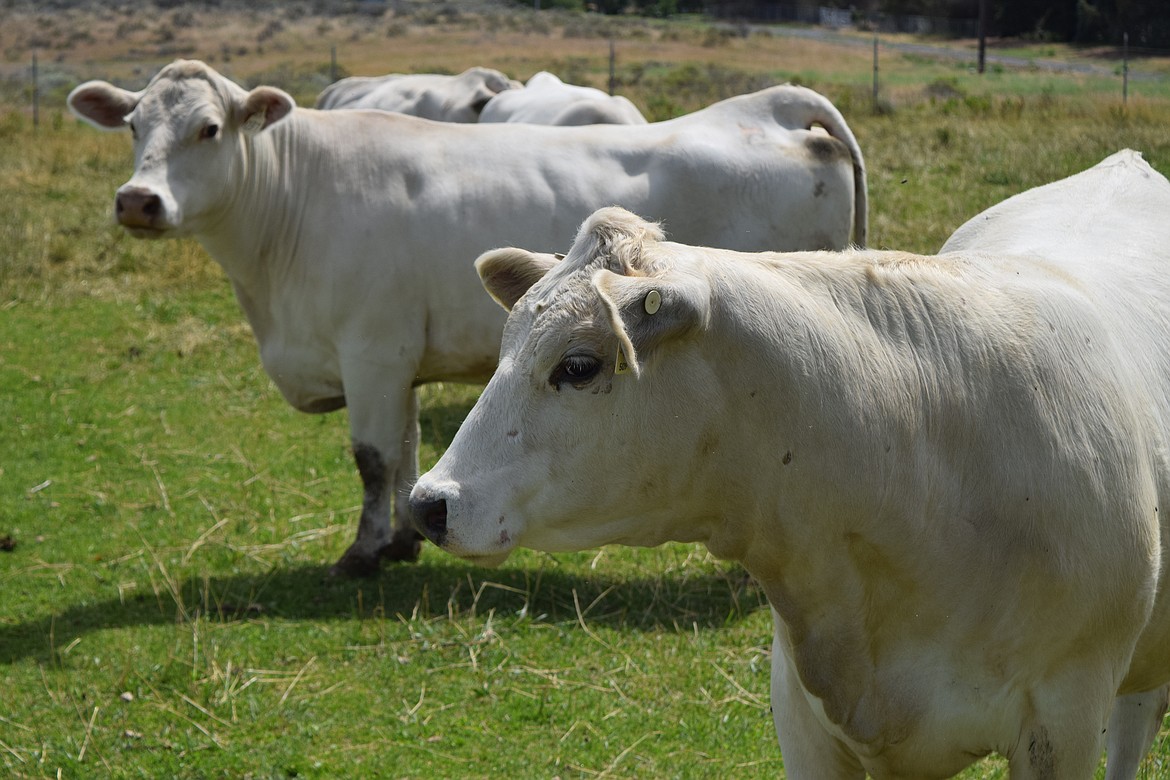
<point x="576" y="370"/>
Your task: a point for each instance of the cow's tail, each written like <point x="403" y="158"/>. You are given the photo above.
<point x="819" y="111"/>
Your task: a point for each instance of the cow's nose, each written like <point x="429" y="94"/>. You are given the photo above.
<point x="430" y="516"/>
<point x="137" y="207"/>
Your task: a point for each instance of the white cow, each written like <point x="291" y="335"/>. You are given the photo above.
<point x="348" y="235"/>
<point x="546" y="100"/>
<point x="949" y="473"/>
<point x="428" y="95"/>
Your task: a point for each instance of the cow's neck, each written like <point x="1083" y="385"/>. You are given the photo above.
<point x="254" y="236"/>
<point x="839" y="393"/>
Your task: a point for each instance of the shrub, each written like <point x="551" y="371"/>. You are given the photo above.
<point x="944" y="89"/>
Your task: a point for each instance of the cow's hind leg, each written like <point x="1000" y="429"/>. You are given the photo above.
<point x="1133" y="726"/>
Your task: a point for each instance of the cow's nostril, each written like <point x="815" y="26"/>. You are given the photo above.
<point x="138" y="207"/>
<point x="431" y="519"/>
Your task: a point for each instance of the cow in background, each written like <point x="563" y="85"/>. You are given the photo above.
<point x="428" y="95"/>
<point x="546" y="100"/>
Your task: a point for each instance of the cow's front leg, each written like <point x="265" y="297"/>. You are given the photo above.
<point x="384" y="433"/>
<point x="404" y="536"/>
<point x="808" y="750"/>
<point x="1065" y="733"/>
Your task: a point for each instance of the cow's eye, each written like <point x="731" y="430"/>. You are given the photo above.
<point x="133" y="131"/>
<point x="576" y="370"/>
<point x="210" y="131"/>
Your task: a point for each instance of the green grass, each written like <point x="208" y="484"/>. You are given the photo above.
<point x="166" y="610"/>
<point x="174" y="521"/>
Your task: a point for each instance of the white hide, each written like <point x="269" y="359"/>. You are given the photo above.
<point x="948" y="473"/>
<point x="349" y="236"/>
<point x="443" y="98"/>
<point x="546" y="100"/>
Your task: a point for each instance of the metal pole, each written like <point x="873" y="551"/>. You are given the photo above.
<point x="875" y="72"/>
<point x="36" y="92"/>
<point x="1124" y="68"/>
<point x="612" y="70"/>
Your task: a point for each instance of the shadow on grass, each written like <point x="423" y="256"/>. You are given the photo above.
<point x="426" y="590"/>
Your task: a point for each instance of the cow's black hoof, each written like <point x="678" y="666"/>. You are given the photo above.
<point x="355" y="564"/>
<point x="403" y="548"/>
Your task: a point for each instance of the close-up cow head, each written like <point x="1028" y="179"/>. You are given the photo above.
<point x="600" y="369"/>
<point x="187" y="124"/>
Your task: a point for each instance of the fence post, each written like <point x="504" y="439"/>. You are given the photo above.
<point x="333" y="63"/>
<point x="982" y="35"/>
<point x="875" y="72"/>
<point x="36" y="92"/>
<point x="612" y="69"/>
<point x="1124" y="68"/>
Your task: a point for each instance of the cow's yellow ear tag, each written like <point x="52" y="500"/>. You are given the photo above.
<point x="622" y="366"/>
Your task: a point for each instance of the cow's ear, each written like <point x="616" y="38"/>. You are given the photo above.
<point x="102" y="104"/>
<point x="498" y="82"/>
<point x="508" y="273"/>
<point x="646" y="311"/>
<point x="263" y="107"/>
<point x="487" y="84"/>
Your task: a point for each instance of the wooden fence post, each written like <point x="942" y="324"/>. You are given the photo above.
<point x="982" y="35"/>
<point x="1124" y="68"/>
<point x="36" y="92"/>
<point x="875" y="72"/>
<point x="612" y="69"/>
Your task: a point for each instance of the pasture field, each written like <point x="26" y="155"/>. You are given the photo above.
<point x="166" y="520"/>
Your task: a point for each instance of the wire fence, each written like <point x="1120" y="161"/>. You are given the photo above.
<point x="872" y="21"/>
<point x="832" y="25"/>
<point x="840" y="26"/>
<point x="840" y="18"/>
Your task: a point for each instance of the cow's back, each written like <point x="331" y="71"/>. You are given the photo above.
<point x="737" y="185"/>
<point x="349" y="92"/>
<point x="1117" y="206"/>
